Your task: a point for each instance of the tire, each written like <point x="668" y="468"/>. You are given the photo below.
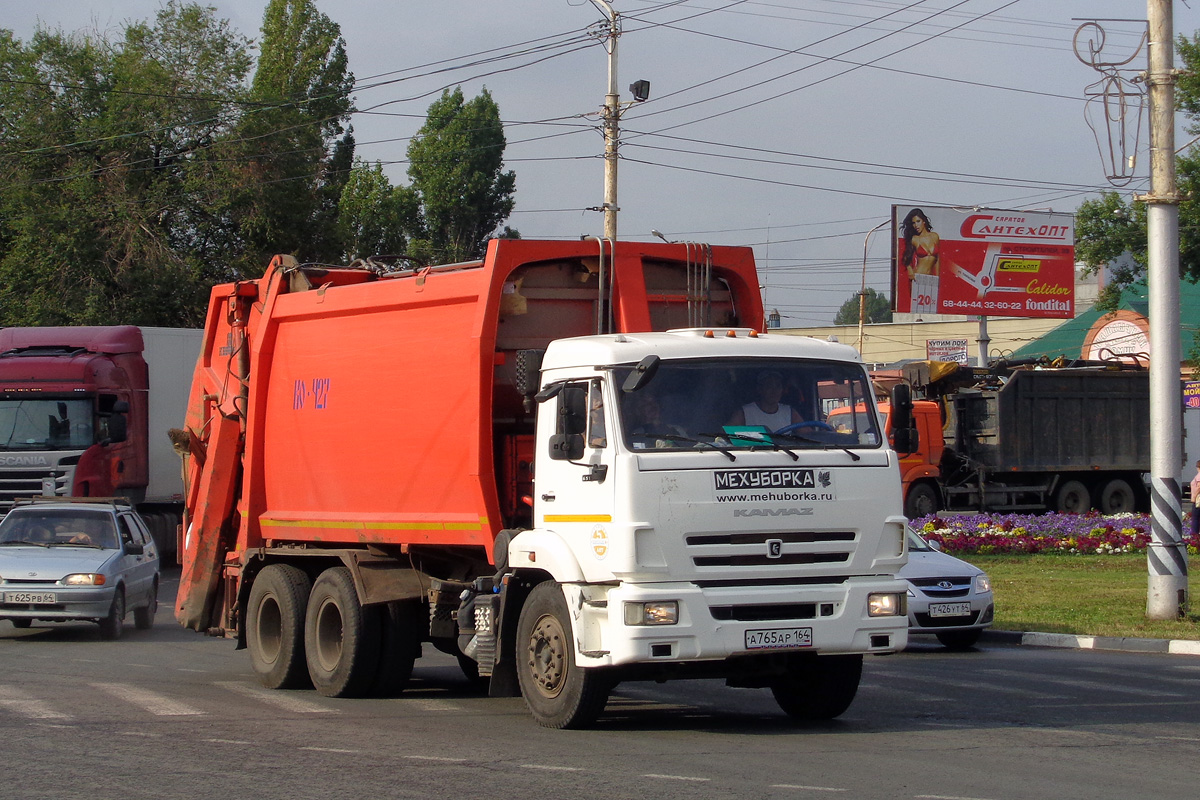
<point x="559" y="693"/>
<point x="341" y="637"/>
<point x="399" y="646"/>
<point x="818" y="687"/>
<point x="112" y="625"/>
<point x="275" y="626"/>
<point x="959" y="640"/>
<point x="143" y="617"/>
<point x="922" y="501"/>
<point x="1073" y="498"/>
<point x="1117" y="497"/>
<point x="21" y="623"/>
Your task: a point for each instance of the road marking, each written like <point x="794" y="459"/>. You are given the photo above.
<point x="328" y="750"/>
<point x="805" y="788"/>
<point x="1111" y="688"/>
<point x="225" y="741"/>
<point x="436" y="758"/>
<point x="1179" y="738"/>
<point x="433" y="705"/>
<point x="287" y="702"/>
<point x="27" y="705"/>
<point x="945" y="797"/>
<point x="157" y="704"/>
<point x="676" y="777"/>
<point x="552" y="768"/>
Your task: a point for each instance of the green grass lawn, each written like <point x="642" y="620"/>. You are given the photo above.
<point x="1087" y="595"/>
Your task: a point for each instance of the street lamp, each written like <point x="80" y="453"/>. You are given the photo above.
<point x="862" y="293"/>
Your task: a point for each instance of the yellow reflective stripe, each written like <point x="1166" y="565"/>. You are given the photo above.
<point x="270" y="522"/>
<point x="577" y="517"/>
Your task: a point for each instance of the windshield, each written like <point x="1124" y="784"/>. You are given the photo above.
<point x="28" y="423"/>
<point x="916" y="544"/>
<point x="748" y="403"/>
<point x="59" y="528"/>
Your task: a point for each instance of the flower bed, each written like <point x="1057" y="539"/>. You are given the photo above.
<point x="1043" y="533"/>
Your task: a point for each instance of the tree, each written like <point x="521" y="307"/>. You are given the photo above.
<point x="456" y="165"/>
<point x="877" y="307"/>
<point x="1110" y="226"/>
<point x="294" y="151"/>
<point x="105" y="162"/>
<point x="371" y="212"/>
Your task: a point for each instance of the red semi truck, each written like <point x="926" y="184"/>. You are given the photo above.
<point x="360" y="481"/>
<point x="85" y="411"/>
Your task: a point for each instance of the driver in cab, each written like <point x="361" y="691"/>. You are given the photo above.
<point x="767" y="409"/>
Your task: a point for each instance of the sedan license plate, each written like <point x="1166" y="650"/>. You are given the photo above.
<point x="37" y="598"/>
<point x="778" y="638"/>
<point x="949" y="609"/>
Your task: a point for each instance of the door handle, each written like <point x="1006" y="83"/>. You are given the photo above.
<point x="548" y="497"/>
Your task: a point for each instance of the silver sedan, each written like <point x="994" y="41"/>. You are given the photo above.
<point x="947" y="597"/>
<point x="77" y="560"/>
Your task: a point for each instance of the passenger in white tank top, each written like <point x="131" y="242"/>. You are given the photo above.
<point x="767" y="410"/>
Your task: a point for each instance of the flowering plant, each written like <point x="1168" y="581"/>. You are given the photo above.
<point x="1090" y="533"/>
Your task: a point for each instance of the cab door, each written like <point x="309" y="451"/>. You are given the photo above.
<point x="139" y="568"/>
<point x="574" y="476"/>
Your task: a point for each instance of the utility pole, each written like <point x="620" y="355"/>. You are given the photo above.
<point x="862" y="292"/>
<point x="1167" y="595"/>
<point x="612" y="117"/>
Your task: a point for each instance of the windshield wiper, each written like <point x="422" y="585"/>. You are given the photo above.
<point x="25" y="541"/>
<point x="76" y="544"/>
<point x="765" y="439"/>
<point x="824" y="445"/>
<point x="682" y="438"/>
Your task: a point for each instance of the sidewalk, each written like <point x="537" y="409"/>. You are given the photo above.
<point x="1071" y="640"/>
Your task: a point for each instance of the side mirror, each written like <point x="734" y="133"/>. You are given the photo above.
<point x="117" y="430"/>
<point x="905" y="439"/>
<point x="566" y="446"/>
<point x="132" y="549"/>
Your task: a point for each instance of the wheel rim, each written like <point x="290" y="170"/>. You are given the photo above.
<point x="268" y="630"/>
<point x="329" y="635"/>
<point x="547" y="656"/>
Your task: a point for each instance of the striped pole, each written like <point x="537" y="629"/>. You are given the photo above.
<point x="1167" y="595"/>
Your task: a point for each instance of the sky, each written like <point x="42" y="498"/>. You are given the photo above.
<point x="791" y="126"/>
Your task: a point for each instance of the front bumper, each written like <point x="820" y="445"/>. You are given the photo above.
<point x="71" y="602"/>
<point x="713" y="621"/>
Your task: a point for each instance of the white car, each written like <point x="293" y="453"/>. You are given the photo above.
<point x="77" y="559"/>
<point x="947" y="597"/>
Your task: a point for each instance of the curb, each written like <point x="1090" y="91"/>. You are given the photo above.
<point x="1119" y="643"/>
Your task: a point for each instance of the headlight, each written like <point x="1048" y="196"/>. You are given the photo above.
<point x="881" y="604"/>
<point x="659" y="612"/>
<point x="982" y="583"/>
<point x="84" y="579"/>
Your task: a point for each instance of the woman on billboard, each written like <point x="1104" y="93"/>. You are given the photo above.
<point x="920" y="258"/>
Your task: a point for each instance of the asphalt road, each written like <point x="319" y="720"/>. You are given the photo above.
<point x="168" y="713"/>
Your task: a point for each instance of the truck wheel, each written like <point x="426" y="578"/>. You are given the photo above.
<point x="818" y="687"/>
<point x="1073" y="498"/>
<point x="275" y="626"/>
<point x="559" y="693"/>
<point x="341" y="637"/>
<point x="922" y="501"/>
<point x="112" y="625"/>
<point x="143" y="617"/>
<point x="1117" y="497"/>
<point x="399" y="646"/>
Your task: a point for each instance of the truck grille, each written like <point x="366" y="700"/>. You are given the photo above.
<point x="762" y="549"/>
<point x="19" y="483"/>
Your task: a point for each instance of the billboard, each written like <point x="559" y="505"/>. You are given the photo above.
<point x="983" y="262"/>
<point x="947" y="350"/>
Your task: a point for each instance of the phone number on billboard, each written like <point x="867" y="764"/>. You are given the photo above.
<point x="984" y="305"/>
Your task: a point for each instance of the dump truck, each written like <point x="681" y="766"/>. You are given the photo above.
<point x="1028" y="436"/>
<point x="86" y="412"/>
<point x="361" y="447"/>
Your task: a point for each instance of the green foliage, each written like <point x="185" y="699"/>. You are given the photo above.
<point x="371" y="212"/>
<point x="877" y="308"/>
<point x="456" y="166"/>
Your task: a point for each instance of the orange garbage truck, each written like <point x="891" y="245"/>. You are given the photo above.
<point x="360" y="481"/>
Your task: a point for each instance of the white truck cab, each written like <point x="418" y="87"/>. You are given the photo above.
<point x="687" y="533"/>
